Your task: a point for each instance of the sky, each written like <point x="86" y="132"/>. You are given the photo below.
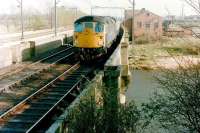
<point x="157" y="6"/>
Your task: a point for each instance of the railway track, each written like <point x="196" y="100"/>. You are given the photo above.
<point x="37" y="111"/>
<point x="25" y="116"/>
<point x="21" y="89"/>
<point x="28" y="70"/>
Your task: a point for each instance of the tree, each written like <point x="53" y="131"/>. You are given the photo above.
<point x="195" y="4"/>
<point x="37" y="22"/>
<point x="176" y="104"/>
<point x="88" y="117"/>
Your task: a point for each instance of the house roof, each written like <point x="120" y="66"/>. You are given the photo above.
<point x="138" y="12"/>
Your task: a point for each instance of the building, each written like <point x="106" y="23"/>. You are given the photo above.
<point x="178" y="31"/>
<point x="146" y="24"/>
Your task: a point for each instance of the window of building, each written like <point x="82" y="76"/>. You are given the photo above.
<point x="139" y="24"/>
<point x="148" y="25"/>
<point x="156" y="25"/>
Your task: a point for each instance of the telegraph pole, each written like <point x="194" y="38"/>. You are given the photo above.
<point x="91" y="11"/>
<point x="22" y="18"/>
<point x="76" y="13"/>
<point x="124" y="19"/>
<point x="55" y="19"/>
<point x="91" y="7"/>
<point x="182" y="12"/>
<point x="133" y="23"/>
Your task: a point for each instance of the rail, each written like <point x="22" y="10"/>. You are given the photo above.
<point x="78" y="74"/>
<point x="58" y="57"/>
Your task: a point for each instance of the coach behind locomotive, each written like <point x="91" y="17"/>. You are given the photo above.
<point x="94" y="35"/>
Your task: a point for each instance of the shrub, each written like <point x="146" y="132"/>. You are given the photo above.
<point x="88" y="117"/>
<point x="176" y="103"/>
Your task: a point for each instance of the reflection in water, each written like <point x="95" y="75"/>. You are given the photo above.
<point x="140" y="89"/>
<point x="124" y="86"/>
<point x="141" y="86"/>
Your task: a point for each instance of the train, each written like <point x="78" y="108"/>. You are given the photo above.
<point x="94" y="36"/>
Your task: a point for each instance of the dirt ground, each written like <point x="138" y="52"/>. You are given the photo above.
<point x="166" y="53"/>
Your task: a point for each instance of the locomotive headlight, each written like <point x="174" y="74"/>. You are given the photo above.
<point x="75" y="39"/>
<point x="75" y="42"/>
<point x="101" y="40"/>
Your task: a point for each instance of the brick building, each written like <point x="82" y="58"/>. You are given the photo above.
<point x="147" y="24"/>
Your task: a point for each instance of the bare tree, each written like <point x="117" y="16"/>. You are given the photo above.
<point x="195" y="4"/>
<point x="89" y="117"/>
<point x="176" y="104"/>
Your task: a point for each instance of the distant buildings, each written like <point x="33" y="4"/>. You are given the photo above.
<point x="189" y="18"/>
<point x="178" y="31"/>
<point x="181" y="26"/>
<point x="147" y="24"/>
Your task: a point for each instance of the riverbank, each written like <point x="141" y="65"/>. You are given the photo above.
<point x="166" y="53"/>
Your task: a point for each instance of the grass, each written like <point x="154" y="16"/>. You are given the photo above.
<point x="182" y="50"/>
<point x="144" y="56"/>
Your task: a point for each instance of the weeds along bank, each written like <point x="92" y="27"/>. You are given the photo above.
<point x="164" y="53"/>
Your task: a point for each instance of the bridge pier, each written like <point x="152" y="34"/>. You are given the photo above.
<point x="110" y="91"/>
<point x="125" y="73"/>
<point x="124" y="57"/>
<point x="115" y="80"/>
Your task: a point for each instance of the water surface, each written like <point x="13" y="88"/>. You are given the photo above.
<point x="141" y="86"/>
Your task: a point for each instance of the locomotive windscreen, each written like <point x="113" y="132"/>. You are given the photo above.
<point x="99" y="28"/>
<point x="78" y="27"/>
<point x="89" y="25"/>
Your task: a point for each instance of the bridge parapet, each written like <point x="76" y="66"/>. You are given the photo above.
<point x="20" y="51"/>
<point x="124" y="56"/>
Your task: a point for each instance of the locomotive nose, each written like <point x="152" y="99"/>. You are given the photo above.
<point x="88" y="31"/>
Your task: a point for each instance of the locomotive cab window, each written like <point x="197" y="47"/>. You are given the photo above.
<point x="78" y="27"/>
<point x="99" y="27"/>
<point x="89" y="25"/>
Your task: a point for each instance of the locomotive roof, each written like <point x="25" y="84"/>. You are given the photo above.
<point x="101" y="19"/>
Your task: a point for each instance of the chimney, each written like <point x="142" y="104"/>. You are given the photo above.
<point x="143" y="9"/>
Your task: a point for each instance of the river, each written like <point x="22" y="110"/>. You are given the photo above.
<point x="141" y="86"/>
<point x="140" y="89"/>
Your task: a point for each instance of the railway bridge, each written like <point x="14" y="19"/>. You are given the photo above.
<point x="41" y="78"/>
<point x="36" y="96"/>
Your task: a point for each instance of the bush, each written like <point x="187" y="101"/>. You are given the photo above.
<point x="142" y="40"/>
<point x="176" y="104"/>
<point x="88" y="117"/>
<point x="184" y="50"/>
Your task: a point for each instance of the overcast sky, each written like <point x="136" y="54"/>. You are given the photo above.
<point x="156" y="6"/>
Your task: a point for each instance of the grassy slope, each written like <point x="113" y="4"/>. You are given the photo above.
<point x="146" y="56"/>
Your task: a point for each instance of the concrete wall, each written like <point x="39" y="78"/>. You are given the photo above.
<point x="5" y="56"/>
<point x="46" y="46"/>
<point x="21" y="51"/>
